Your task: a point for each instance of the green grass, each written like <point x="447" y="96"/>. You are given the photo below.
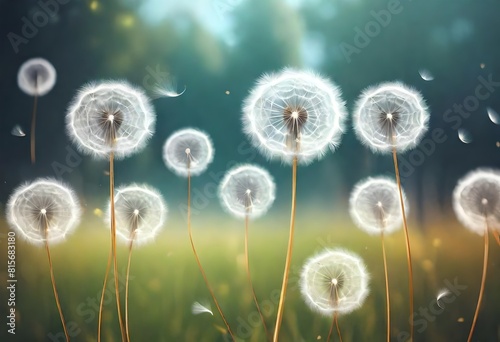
<point x="166" y="281"/>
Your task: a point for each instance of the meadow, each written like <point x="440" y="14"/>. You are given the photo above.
<point x="165" y="282"/>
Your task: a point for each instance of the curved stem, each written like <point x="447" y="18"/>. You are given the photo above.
<point x="108" y="266"/>
<point x="250" y="278"/>
<point x="496" y="235"/>
<point x="407" y="238"/>
<point x="33" y="127"/>
<point x="126" y="284"/>
<point x="113" y="242"/>
<point x="483" y="281"/>
<point x="52" y="278"/>
<point x="288" y="261"/>
<point x="198" y="259"/>
<point x="331" y="329"/>
<point x="336" y="320"/>
<point x="387" y="302"/>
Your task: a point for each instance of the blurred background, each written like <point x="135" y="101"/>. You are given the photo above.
<point x="216" y="50"/>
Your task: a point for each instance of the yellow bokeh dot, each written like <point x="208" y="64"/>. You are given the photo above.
<point x="436" y="242"/>
<point x="126" y="20"/>
<point x="98" y="212"/>
<point x="427" y="265"/>
<point x="94" y="5"/>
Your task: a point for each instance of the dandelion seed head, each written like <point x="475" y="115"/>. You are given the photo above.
<point x="110" y="116"/>
<point x="36" y="76"/>
<point x="43" y="210"/>
<point x="390" y="115"/>
<point x="294" y="113"/>
<point x="188" y="151"/>
<point x="334" y="281"/>
<point x="247" y="190"/>
<point x="140" y="213"/>
<point x="476" y="200"/>
<point x="375" y="207"/>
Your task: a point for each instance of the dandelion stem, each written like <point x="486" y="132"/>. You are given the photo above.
<point x="113" y="241"/>
<point x="250" y="278"/>
<point x="497" y="236"/>
<point x="281" y="305"/>
<point x="336" y="320"/>
<point x="407" y="238"/>
<point x="33" y="127"/>
<point x="54" y="283"/>
<point x="198" y="259"/>
<point x="387" y="301"/>
<point x="483" y="281"/>
<point x="126" y="284"/>
<point x="108" y="266"/>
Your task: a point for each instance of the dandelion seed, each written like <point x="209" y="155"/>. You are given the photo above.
<point x="493" y="115"/>
<point x="426" y="75"/>
<point x="17" y="131"/>
<point x="442" y="293"/>
<point x="198" y="308"/>
<point x="482" y="65"/>
<point x="464" y="136"/>
<point x="167" y="89"/>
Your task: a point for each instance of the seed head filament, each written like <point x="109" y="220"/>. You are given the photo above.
<point x="295" y="118"/>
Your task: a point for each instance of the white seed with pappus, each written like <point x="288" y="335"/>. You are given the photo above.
<point x="390" y="115"/>
<point x="374" y="206"/>
<point x="476" y="200"/>
<point x="247" y="190"/>
<point x="140" y="213"/>
<point x="334" y="281"/>
<point x="294" y="113"/>
<point x="110" y="117"/>
<point x="43" y="210"/>
<point x="188" y="151"/>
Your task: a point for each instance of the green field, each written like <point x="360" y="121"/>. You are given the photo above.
<point x="165" y="282"/>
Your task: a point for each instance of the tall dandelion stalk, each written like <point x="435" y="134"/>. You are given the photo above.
<point x="476" y="202"/>
<point x="188" y="152"/>
<point x="248" y="191"/>
<point x="45" y="212"/>
<point x="140" y="214"/>
<point x="392" y="118"/>
<point x="294" y="116"/>
<point x="334" y="282"/>
<point x="36" y="77"/>
<point x="374" y="207"/>
<point x="110" y="120"/>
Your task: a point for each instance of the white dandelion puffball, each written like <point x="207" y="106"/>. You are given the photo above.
<point x="294" y="113"/>
<point x="375" y="207"/>
<point x="247" y="190"/>
<point x="188" y="151"/>
<point x="476" y="200"/>
<point x="43" y="210"/>
<point x="140" y="213"/>
<point x="390" y="115"/>
<point x="108" y="117"/>
<point x="36" y="77"/>
<point x="334" y="281"/>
